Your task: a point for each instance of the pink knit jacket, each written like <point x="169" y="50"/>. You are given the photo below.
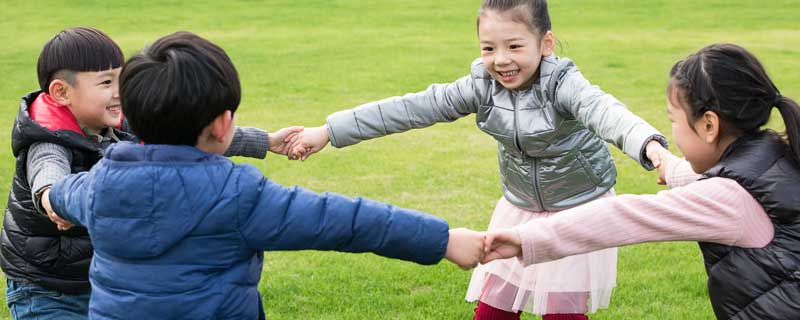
<point x="716" y="210"/>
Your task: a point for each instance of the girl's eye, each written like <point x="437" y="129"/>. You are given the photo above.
<point x="487" y="49"/>
<point x="107" y="82"/>
<point x="515" y="46"/>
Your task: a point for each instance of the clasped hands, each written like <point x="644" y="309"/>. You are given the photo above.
<point x="467" y="248"/>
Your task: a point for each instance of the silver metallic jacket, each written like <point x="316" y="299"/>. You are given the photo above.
<point x="549" y="135"/>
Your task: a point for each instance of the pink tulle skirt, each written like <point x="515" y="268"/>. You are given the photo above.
<point x="576" y="284"/>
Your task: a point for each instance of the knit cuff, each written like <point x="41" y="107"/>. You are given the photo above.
<point x="249" y="142"/>
<point x="527" y="257"/>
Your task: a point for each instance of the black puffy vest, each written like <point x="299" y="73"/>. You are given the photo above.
<point x="33" y="249"/>
<point x="761" y="283"/>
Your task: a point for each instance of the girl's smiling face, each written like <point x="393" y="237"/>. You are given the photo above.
<point x="511" y="52"/>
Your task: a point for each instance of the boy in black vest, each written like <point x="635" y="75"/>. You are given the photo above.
<point x="61" y="129"/>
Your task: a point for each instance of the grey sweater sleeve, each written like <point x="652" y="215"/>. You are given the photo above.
<point x="249" y="142"/>
<point x="46" y="164"/>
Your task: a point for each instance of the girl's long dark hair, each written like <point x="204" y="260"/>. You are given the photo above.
<point x="730" y="81"/>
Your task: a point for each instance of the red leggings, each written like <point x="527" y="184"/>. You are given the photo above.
<point x="486" y="312"/>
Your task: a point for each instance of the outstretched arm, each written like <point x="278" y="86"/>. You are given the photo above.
<point x="281" y="218"/>
<point x="439" y="103"/>
<point x="715" y="210"/>
<point x="607" y="117"/>
<point x="69" y="199"/>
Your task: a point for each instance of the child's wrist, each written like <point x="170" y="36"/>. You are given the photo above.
<point x="44" y="200"/>
<point x="326" y="133"/>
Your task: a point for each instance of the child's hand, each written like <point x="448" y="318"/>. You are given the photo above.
<point x="501" y="244"/>
<point x="465" y="248"/>
<point x="310" y="141"/>
<point x="662" y="169"/>
<point x="61" y="224"/>
<point x="656" y="152"/>
<point x="281" y="140"/>
<point x="658" y="155"/>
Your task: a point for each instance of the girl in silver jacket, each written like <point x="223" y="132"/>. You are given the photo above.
<point x="550" y="124"/>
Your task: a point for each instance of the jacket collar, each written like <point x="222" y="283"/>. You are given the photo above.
<point x="132" y="152"/>
<point x="50" y="122"/>
<point x="53" y="116"/>
<point x="546" y="68"/>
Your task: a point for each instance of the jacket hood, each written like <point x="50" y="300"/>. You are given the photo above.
<point x="138" y="209"/>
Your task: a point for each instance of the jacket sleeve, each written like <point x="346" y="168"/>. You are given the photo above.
<point x="281" y="218"/>
<point x="248" y="142"/>
<point x="439" y="103"/>
<point x="70" y="199"/>
<point x="716" y="210"/>
<point x="606" y="116"/>
<point x="46" y="163"/>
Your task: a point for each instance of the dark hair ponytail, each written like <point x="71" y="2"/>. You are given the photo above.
<point x="730" y="81"/>
<point x="790" y="111"/>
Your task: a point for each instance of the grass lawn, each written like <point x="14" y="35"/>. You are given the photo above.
<point x="302" y="60"/>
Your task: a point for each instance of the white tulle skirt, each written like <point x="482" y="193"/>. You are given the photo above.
<point x="577" y="284"/>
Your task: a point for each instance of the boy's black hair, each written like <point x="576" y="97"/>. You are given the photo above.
<point x="174" y="88"/>
<point x="77" y="49"/>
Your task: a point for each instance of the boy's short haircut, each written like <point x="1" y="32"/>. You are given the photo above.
<point x="174" y="88"/>
<point x="78" y="49"/>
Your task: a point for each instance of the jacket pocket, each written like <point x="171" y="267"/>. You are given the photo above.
<point x="565" y="176"/>
<point x="598" y="164"/>
<point x="517" y="179"/>
<point x="587" y="167"/>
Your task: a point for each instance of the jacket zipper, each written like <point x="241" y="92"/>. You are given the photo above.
<point x="518" y="145"/>
<point x="536" y="183"/>
<point x="516" y="123"/>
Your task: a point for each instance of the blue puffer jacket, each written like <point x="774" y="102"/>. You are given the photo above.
<point x="179" y="233"/>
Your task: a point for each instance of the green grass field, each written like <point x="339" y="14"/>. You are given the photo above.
<point x="301" y="60"/>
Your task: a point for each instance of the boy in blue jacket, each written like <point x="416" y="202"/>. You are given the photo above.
<point x="179" y="231"/>
<point x="62" y="128"/>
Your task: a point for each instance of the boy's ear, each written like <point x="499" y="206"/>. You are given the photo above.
<point x="221" y="125"/>
<point x="548" y="43"/>
<point x="710" y="126"/>
<point x="59" y="90"/>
